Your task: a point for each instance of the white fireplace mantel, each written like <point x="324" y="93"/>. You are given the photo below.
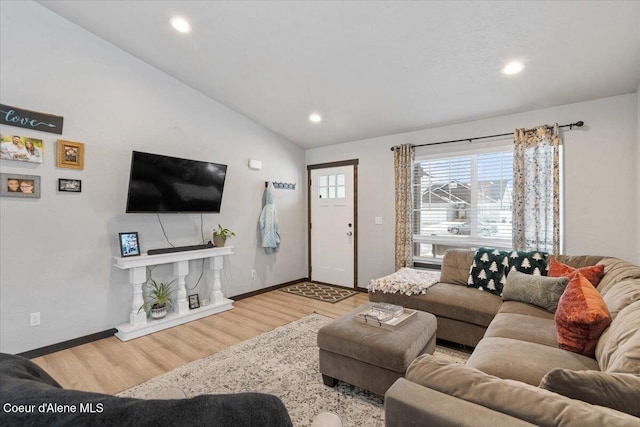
<point x="137" y="266"/>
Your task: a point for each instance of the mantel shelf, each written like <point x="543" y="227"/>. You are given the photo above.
<point x="146" y="260"/>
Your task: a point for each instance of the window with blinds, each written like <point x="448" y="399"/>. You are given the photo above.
<point x="462" y="201"/>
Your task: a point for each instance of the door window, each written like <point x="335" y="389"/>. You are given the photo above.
<point x="332" y="186"/>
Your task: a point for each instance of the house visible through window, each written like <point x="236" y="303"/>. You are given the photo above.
<point x="462" y="201"/>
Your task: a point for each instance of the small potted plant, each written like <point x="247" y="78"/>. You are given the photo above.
<point x="220" y="235"/>
<point x="158" y="299"/>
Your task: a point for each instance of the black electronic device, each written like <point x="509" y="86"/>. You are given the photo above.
<point x="163" y="184"/>
<point x="180" y="249"/>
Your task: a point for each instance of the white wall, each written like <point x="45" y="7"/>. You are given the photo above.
<point x="601" y="183"/>
<point x="57" y="251"/>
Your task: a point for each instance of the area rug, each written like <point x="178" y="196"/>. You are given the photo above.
<point x="283" y="362"/>
<point x="320" y="292"/>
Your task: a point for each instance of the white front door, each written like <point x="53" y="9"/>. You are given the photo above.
<point x="332" y="225"/>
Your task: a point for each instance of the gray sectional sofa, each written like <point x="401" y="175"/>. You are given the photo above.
<point x="517" y="374"/>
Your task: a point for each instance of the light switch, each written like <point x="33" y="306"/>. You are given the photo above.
<point x="378" y="220"/>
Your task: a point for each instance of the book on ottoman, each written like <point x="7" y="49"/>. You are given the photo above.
<point x="377" y="316"/>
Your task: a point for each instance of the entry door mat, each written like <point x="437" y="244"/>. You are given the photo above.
<point x="320" y="292"/>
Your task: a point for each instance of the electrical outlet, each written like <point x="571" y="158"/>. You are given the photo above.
<point x="254" y="274"/>
<point x="34" y="319"/>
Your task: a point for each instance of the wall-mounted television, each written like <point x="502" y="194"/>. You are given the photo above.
<point x="163" y="184"/>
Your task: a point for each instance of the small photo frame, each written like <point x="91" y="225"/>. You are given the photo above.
<point x="70" y="154"/>
<point x="129" y="245"/>
<point x="69" y="185"/>
<point x="194" y="301"/>
<point x="18" y="185"/>
<point x="21" y="148"/>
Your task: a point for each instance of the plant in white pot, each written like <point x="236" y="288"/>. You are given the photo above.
<point x="158" y="299"/>
<point x="220" y="235"/>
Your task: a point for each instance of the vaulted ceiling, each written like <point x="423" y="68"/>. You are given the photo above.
<point x="373" y="68"/>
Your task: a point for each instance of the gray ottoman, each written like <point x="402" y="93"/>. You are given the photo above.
<point x="370" y="357"/>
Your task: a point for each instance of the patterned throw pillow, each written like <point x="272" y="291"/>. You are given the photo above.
<point x="592" y="273"/>
<point x="542" y="291"/>
<point x="488" y="270"/>
<point x="581" y="317"/>
<point x="532" y="262"/>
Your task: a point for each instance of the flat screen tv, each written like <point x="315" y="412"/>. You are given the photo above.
<point x="163" y="184"/>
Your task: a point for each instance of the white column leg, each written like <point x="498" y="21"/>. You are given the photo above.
<point x="181" y="269"/>
<point x="215" y="264"/>
<point x="137" y="277"/>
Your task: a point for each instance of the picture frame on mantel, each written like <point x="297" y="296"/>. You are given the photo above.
<point x="70" y="154"/>
<point x="194" y="301"/>
<point x="129" y="244"/>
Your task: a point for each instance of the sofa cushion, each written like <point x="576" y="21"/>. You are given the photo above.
<point x="524" y="361"/>
<point x="523" y="401"/>
<point x="525" y="309"/>
<point x="542" y="291"/>
<point x="578" y="261"/>
<point x="529" y="262"/>
<point x="623" y="294"/>
<point x="450" y="301"/>
<point x="615" y="271"/>
<point x="524" y="328"/>
<point x="617" y="391"/>
<point x="592" y="273"/>
<point x="581" y="317"/>
<point x="455" y="266"/>
<point x="618" y="349"/>
<point x="487" y="271"/>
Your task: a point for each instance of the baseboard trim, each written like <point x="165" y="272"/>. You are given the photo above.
<point x="265" y="290"/>
<point x="31" y="354"/>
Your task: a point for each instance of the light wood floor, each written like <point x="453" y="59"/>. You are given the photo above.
<point x="110" y="365"/>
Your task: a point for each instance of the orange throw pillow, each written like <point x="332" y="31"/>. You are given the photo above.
<point x="593" y="273"/>
<point x="581" y="317"/>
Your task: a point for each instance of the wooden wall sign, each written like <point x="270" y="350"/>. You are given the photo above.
<point x="14" y="116"/>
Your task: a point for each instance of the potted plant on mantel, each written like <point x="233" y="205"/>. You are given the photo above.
<point x="220" y="235"/>
<point x="158" y="299"/>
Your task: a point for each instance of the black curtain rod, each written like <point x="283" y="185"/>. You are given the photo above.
<point x="577" y="124"/>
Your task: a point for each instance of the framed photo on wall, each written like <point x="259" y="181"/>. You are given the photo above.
<point x="194" y="301"/>
<point x="19" y="185"/>
<point x="69" y="185"/>
<point x="21" y="148"/>
<point x="129" y="245"/>
<point x="70" y="154"/>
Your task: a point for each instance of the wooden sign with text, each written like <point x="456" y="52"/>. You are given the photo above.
<point x="14" y="116"/>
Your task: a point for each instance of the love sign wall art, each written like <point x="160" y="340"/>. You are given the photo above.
<point x="14" y="116"/>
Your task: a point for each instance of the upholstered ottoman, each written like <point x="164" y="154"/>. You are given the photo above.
<point x="370" y="357"/>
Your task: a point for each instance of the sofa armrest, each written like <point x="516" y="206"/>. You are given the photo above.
<point x="514" y="398"/>
<point x="409" y="404"/>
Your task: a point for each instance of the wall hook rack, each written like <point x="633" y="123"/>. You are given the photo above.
<point x="281" y="185"/>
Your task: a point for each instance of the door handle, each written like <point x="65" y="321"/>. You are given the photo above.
<point x="349" y="233"/>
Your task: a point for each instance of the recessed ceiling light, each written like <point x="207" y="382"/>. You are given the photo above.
<point x="513" y="68"/>
<point x="180" y="24"/>
<point x="315" y="117"/>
